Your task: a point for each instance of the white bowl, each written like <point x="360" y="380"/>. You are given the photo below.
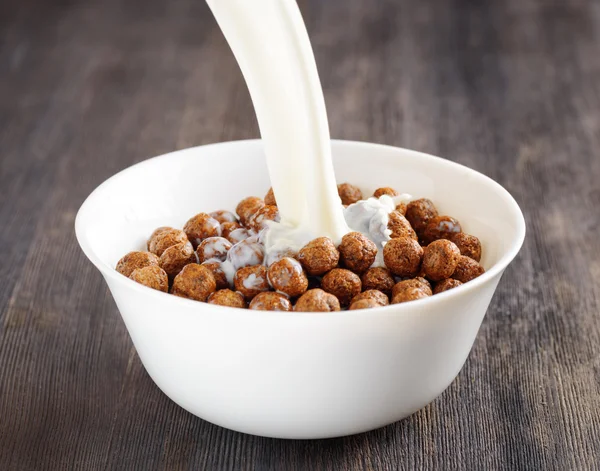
<point x="296" y="375"/>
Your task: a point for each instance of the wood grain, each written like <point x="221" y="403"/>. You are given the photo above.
<point x="510" y="88"/>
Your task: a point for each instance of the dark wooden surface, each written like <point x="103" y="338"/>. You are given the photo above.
<point x="508" y="87"/>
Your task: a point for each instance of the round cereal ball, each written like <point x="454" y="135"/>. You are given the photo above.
<point x="357" y="252"/>
<point x="227" y="297"/>
<point x="134" y="260"/>
<point x="379" y="192"/>
<point x="276" y="255"/>
<point x="246" y="253"/>
<point x="372" y="294"/>
<point x="194" y="282"/>
<point x="287" y="276"/>
<point x="440" y="227"/>
<point x="467" y="244"/>
<point x="445" y="285"/>
<point x="151" y="276"/>
<point x="409" y="294"/>
<point x="176" y="257"/>
<point x="258" y="221"/>
<point x="200" y="227"/>
<point x="270" y="301"/>
<point x="364" y="304"/>
<point x="400" y="226"/>
<point x="223" y="216"/>
<point x="237" y="235"/>
<point x="403" y="256"/>
<point x="467" y="269"/>
<point x="440" y="259"/>
<point x="248" y="207"/>
<point x="378" y="278"/>
<point x="401" y="208"/>
<point x="343" y="284"/>
<point x="270" y="198"/>
<point x="317" y="300"/>
<point x="165" y="237"/>
<point x="319" y="256"/>
<point x="251" y="280"/>
<point x="419" y="213"/>
<point x="228" y="227"/>
<point x="215" y="266"/>
<point x="213" y="247"/>
<point x="419" y="283"/>
<point x="349" y="194"/>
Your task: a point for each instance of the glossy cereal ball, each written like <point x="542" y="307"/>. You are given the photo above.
<point x="237" y="235"/>
<point x="258" y="221"/>
<point x="134" y="260"/>
<point x="403" y="256"/>
<point x="445" y="285"/>
<point x="176" y="257"/>
<point x="270" y="198"/>
<point x="215" y="266"/>
<point x="372" y="294"/>
<point x="400" y="226"/>
<point x="270" y="301"/>
<point x="151" y="276"/>
<point x="223" y="216"/>
<point x="228" y="227"/>
<point x="419" y="213"/>
<point x="364" y="304"/>
<point x="467" y="269"/>
<point x="246" y="253"/>
<point x="248" y="207"/>
<point x="379" y="192"/>
<point x="319" y="256"/>
<point x="317" y="300"/>
<point x="194" y="282"/>
<point x="357" y="252"/>
<point x="418" y="283"/>
<point x="440" y="259"/>
<point x="468" y="245"/>
<point x="251" y="280"/>
<point x="410" y="294"/>
<point x="226" y="297"/>
<point x="349" y="194"/>
<point x="440" y="227"/>
<point x="378" y="278"/>
<point x="276" y="255"/>
<point x="343" y="284"/>
<point x="165" y="237"/>
<point x="287" y="276"/>
<point x="213" y="247"/>
<point x="200" y="227"/>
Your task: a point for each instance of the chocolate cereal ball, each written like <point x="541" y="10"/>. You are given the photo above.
<point x="403" y="256"/>
<point x="248" y="207"/>
<point x="270" y="198"/>
<point x="251" y="280"/>
<point x="215" y="266"/>
<point x="287" y="276"/>
<point x="176" y="257"/>
<point x="385" y="191"/>
<point x="357" y="252"/>
<point x="194" y="282"/>
<point x="445" y="285"/>
<point x="400" y="226"/>
<point x="467" y="244"/>
<point x="226" y="297"/>
<point x="270" y="301"/>
<point x="467" y="269"/>
<point x="418" y="283"/>
<point x="419" y="213"/>
<point x="349" y="194"/>
<point x="237" y="235"/>
<point x="378" y="278"/>
<point x="246" y="253"/>
<point x="151" y="276"/>
<point x="401" y="208"/>
<point x="223" y="216"/>
<point x="165" y="237"/>
<point x="134" y="260"/>
<point x="200" y="227"/>
<point x="440" y="259"/>
<point x="372" y="294"/>
<point x="258" y="221"/>
<point x="213" y="247"/>
<point x="228" y="227"/>
<point x="343" y="284"/>
<point x="410" y="294"/>
<point x="319" y="256"/>
<point x="364" y="304"/>
<point x="440" y="227"/>
<point x="317" y="300"/>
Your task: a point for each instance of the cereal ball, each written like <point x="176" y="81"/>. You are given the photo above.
<point x="165" y="237"/>
<point x="151" y="276"/>
<point x="237" y="235"/>
<point x="400" y="226"/>
<point x="349" y="194"/>
<point x="200" y="227"/>
<point x="134" y="260"/>
<point x="223" y="216"/>
<point x="378" y="278"/>
<point x="215" y="266"/>
<point x="445" y="285"/>
<point x="258" y="221"/>
<point x="270" y="301"/>
<point x="467" y="269"/>
<point x="251" y="280"/>
<point x="343" y="284"/>
<point x="319" y="256"/>
<point x="364" y="304"/>
<point x="467" y="244"/>
<point x="276" y="255"/>
<point x="287" y="276"/>
<point x="385" y="191"/>
<point x="270" y="198"/>
<point x="440" y="259"/>
<point x="403" y="256"/>
<point x="372" y="294"/>
<point x="226" y="297"/>
<point x="357" y="252"/>
<point x="248" y="207"/>
<point x="194" y="282"/>
<point x="176" y="257"/>
<point x="228" y="227"/>
<point x="419" y="213"/>
<point x="246" y="253"/>
<point x="401" y="208"/>
<point x="213" y="247"/>
<point x="418" y="283"/>
<point x="409" y="294"/>
<point x="317" y="300"/>
<point x="440" y="227"/>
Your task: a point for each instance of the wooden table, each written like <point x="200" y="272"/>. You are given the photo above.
<point x="510" y="88"/>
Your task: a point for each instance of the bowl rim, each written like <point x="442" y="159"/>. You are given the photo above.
<point x="396" y="309"/>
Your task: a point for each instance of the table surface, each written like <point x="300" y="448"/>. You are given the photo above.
<point x="509" y="87"/>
